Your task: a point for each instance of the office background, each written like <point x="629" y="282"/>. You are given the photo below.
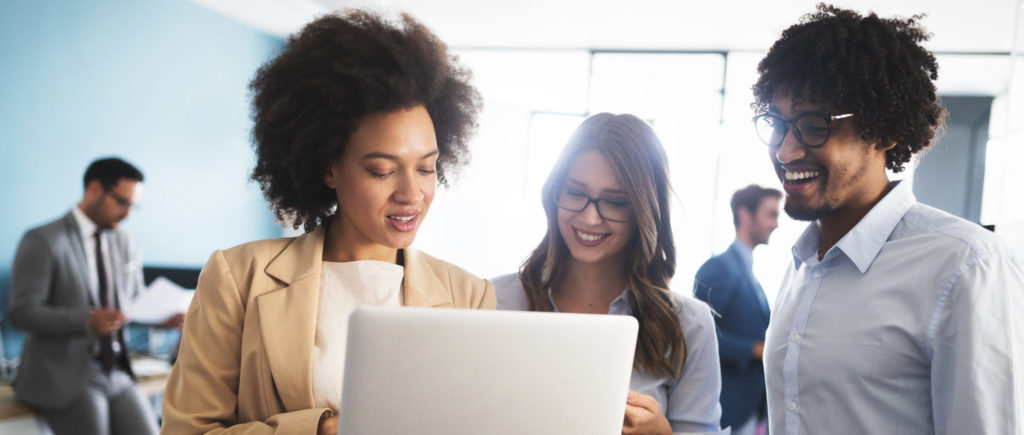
<point x="163" y="84"/>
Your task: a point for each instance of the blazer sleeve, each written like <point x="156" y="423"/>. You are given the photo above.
<point x="717" y="286"/>
<point x="31" y="283"/>
<point x="202" y="392"/>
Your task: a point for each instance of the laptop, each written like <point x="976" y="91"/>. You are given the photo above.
<point x="471" y="372"/>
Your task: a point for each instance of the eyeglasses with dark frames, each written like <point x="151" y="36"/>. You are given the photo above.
<point x="810" y="129"/>
<point x="610" y="209"/>
<point x="121" y="201"/>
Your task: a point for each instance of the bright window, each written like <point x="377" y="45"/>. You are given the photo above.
<point x="699" y="105"/>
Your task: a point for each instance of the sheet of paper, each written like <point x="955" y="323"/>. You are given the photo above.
<point x="162" y="300"/>
<point x="145" y="366"/>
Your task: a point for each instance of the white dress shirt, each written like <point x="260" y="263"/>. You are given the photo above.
<point x="345" y="286"/>
<point x="689" y="402"/>
<point x="913" y="323"/>
<point x="87" y="228"/>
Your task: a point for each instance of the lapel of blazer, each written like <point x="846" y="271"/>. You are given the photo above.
<point x="81" y="262"/>
<point x="288" y="318"/>
<point x="421" y="286"/>
<point x="754" y="287"/>
<point x="737" y="259"/>
<point x="117" y="266"/>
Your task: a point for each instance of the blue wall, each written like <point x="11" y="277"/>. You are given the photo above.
<point x="161" y="83"/>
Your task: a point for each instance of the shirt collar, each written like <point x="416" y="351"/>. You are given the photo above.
<point x="85" y="225"/>
<point x="865" y="240"/>
<point x="806" y="245"/>
<point x="746" y="253"/>
<point x="620" y="305"/>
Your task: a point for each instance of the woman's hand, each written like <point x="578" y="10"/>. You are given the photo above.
<point x="328" y="426"/>
<point x="643" y="416"/>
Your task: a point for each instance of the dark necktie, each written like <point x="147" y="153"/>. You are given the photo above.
<point x="106" y="355"/>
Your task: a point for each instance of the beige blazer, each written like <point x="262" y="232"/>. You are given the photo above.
<point x="246" y="358"/>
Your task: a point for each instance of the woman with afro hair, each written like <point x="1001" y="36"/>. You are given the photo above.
<point x="355" y="123"/>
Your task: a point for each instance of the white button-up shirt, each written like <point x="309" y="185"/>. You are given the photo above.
<point x="87" y="229"/>
<point x="913" y="323"/>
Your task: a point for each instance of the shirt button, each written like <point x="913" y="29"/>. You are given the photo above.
<point x="796" y="338"/>
<point x="817" y="274"/>
<point x="791" y="406"/>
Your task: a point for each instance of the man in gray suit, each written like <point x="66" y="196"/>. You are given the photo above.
<point x="69" y="281"/>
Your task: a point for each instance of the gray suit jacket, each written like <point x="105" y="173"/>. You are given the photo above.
<point x="51" y="298"/>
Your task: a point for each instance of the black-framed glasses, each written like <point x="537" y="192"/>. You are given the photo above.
<point x="121" y="201"/>
<point x="610" y="209"/>
<point x="810" y="129"/>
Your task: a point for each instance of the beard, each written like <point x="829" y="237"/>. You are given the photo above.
<point x="98" y="216"/>
<point x="806" y="213"/>
<point x="830" y="200"/>
<point x="762" y="238"/>
<point x="809" y="212"/>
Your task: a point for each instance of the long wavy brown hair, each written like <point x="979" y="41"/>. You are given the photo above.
<point x="634" y="150"/>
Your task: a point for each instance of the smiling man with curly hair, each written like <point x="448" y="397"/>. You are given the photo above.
<point x="895" y="317"/>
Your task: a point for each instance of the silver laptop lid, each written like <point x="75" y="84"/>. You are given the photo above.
<point x="471" y="372"/>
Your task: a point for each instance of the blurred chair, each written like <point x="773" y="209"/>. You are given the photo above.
<point x="11" y="339"/>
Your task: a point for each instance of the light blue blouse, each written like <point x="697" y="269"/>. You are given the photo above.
<point x="690" y="402"/>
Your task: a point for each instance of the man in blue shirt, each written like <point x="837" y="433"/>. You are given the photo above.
<point x="895" y="317"/>
<point x="727" y="283"/>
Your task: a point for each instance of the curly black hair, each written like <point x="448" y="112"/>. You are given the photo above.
<point x="873" y="67"/>
<point x="307" y="102"/>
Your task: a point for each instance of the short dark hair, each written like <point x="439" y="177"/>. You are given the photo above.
<point x="750" y="198"/>
<point x="109" y="171"/>
<point x="872" y="67"/>
<point x="307" y="102"/>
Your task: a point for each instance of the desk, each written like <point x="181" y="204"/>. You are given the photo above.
<point x="151" y="379"/>
<point x="10" y="408"/>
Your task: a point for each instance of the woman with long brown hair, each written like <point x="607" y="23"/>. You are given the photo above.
<point x="609" y="250"/>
